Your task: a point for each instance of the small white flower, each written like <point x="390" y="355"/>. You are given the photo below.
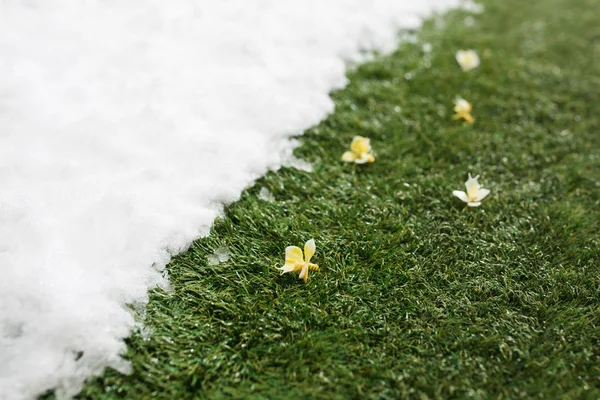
<point x="467" y="59"/>
<point x="475" y="193"/>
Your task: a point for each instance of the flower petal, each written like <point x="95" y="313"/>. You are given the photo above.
<point x="474" y="203"/>
<point x="467" y="59"/>
<point x="462" y="106"/>
<point x="461" y="195"/>
<point x="304" y="273"/>
<point x="360" y="145"/>
<point x="481" y="194"/>
<point x="289" y="267"/>
<point x="349" y="156"/>
<point x="468" y="117"/>
<point x="293" y="254"/>
<point x="365" y="158"/>
<point x="309" y="250"/>
<point x="472" y="186"/>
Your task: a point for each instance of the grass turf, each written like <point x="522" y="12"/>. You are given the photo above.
<point x="417" y="295"/>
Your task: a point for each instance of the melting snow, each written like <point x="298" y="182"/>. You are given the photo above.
<point x="266" y="195"/>
<point x="123" y="127"/>
<point x="220" y="255"/>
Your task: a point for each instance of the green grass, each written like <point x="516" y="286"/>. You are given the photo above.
<point x="417" y="296"/>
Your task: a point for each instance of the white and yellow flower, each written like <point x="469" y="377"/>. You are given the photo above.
<point x="360" y="151"/>
<point x="462" y="109"/>
<point x="295" y="261"/>
<point x="475" y="193"/>
<point x="467" y="59"/>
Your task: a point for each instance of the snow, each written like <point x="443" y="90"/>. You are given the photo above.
<point x="220" y="255"/>
<point x="124" y="127"/>
<point x="471" y="6"/>
<point x="266" y="195"/>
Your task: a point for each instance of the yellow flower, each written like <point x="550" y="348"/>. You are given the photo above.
<point x="467" y="59"/>
<point x="360" y="151"/>
<point x="463" y="108"/>
<point x="295" y="261"/>
<point x="475" y="193"/>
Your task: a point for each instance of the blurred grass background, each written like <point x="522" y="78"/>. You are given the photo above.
<point x="417" y="296"/>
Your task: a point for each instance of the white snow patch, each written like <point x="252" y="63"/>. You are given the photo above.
<point x="124" y="125"/>
<point x="289" y="160"/>
<point x="219" y="256"/>
<point x="472" y="7"/>
<point x="265" y="195"/>
<point x="299" y="164"/>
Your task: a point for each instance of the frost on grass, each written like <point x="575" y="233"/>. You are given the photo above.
<point x="219" y="256"/>
<point x="118" y="146"/>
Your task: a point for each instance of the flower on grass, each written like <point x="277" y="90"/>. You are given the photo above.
<point x="295" y="261"/>
<point x="467" y="59"/>
<point x="463" y="108"/>
<point x="475" y="193"/>
<point x="360" y="151"/>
